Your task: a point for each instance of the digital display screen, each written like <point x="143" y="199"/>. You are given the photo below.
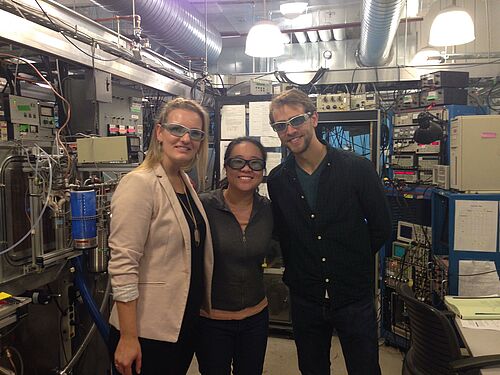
<point x="23" y="107"/>
<point x="406" y="232"/>
<point x="398" y="251"/>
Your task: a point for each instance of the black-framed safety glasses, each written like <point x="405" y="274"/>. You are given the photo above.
<point x="239" y="163"/>
<point x="179" y="130"/>
<point x="294" y="122"/>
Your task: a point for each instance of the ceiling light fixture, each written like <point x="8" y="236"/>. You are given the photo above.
<point x="293" y="9"/>
<point x="451" y="27"/>
<point x="264" y="39"/>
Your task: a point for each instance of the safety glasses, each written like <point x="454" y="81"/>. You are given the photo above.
<point x="294" y="122"/>
<point x="239" y="163"/>
<point x="179" y="130"/>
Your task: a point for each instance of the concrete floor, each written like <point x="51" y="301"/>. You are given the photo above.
<point x="281" y="359"/>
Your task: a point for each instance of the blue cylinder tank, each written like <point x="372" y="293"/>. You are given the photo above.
<point x="84" y="219"/>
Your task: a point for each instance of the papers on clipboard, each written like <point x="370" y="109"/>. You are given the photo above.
<point x="481" y="324"/>
<point x="474" y="308"/>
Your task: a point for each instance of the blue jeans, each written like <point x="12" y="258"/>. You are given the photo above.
<point x="356" y="326"/>
<point x="241" y="343"/>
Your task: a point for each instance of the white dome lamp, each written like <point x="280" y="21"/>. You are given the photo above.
<point x="265" y="39"/>
<point x="451" y="27"/>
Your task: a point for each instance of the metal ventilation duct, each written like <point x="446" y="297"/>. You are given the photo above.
<point x="174" y="24"/>
<point x="379" y="24"/>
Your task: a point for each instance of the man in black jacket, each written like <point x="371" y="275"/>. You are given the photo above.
<point x="331" y="216"/>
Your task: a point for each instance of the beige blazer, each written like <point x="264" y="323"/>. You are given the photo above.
<point x="151" y="247"/>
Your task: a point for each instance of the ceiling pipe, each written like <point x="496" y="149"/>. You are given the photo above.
<point x="175" y="25"/>
<point x="465" y="56"/>
<point x="318" y="28"/>
<point x="379" y="24"/>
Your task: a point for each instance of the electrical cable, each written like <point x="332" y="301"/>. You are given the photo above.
<point x="488" y="96"/>
<point x="37" y="221"/>
<point x="68" y="115"/>
<point x="20" y="360"/>
<point x="283" y="78"/>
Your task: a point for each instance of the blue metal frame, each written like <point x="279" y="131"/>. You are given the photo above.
<point x="443" y="207"/>
<point x="438" y="217"/>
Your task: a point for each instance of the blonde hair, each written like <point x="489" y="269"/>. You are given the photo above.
<point x="154" y="154"/>
<point x="293" y="97"/>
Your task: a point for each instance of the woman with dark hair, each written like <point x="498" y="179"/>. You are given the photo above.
<point x="161" y="249"/>
<point x="234" y="333"/>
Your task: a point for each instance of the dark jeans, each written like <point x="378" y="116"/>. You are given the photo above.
<point x="161" y="357"/>
<point x="240" y="342"/>
<point x="356" y="326"/>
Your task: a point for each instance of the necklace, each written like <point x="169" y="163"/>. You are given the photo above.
<point x="190" y="213"/>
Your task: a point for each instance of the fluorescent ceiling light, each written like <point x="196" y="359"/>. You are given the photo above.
<point x="293" y="9"/>
<point x="451" y="27"/>
<point x="264" y="40"/>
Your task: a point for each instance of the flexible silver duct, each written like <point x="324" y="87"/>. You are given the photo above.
<point x="174" y="24"/>
<point x="379" y="24"/>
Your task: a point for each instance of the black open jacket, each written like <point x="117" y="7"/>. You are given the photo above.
<point x="332" y="247"/>
<point x="237" y="281"/>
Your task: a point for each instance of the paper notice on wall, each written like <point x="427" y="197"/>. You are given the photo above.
<point x="232" y="121"/>
<point x="270" y="141"/>
<point x="258" y="118"/>
<point x="477" y="278"/>
<point x="476" y="225"/>
<point x="273" y="160"/>
<point x="267" y="130"/>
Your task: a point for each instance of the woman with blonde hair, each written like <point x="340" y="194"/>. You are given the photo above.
<point x="161" y="249"/>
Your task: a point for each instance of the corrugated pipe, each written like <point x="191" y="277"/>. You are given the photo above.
<point x="174" y="24"/>
<point x="379" y="24"/>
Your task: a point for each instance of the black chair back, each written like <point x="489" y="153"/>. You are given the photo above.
<point x="433" y="342"/>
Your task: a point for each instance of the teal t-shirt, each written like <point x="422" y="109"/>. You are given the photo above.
<point x="309" y="182"/>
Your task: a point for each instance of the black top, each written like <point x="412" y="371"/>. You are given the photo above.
<point x="196" y="285"/>
<point x="237" y="281"/>
<point x="331" y="248"/>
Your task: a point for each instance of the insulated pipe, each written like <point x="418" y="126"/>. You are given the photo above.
<point x="175" y="25"/>
<point x="379" y="24"/>
<point x="102" y="326"/>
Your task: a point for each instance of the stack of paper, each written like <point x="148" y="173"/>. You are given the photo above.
<point x="474" y="307"/>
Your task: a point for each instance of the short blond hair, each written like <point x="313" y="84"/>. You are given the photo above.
<point x="155" y="152"/>
<point x="293" y="97"/>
